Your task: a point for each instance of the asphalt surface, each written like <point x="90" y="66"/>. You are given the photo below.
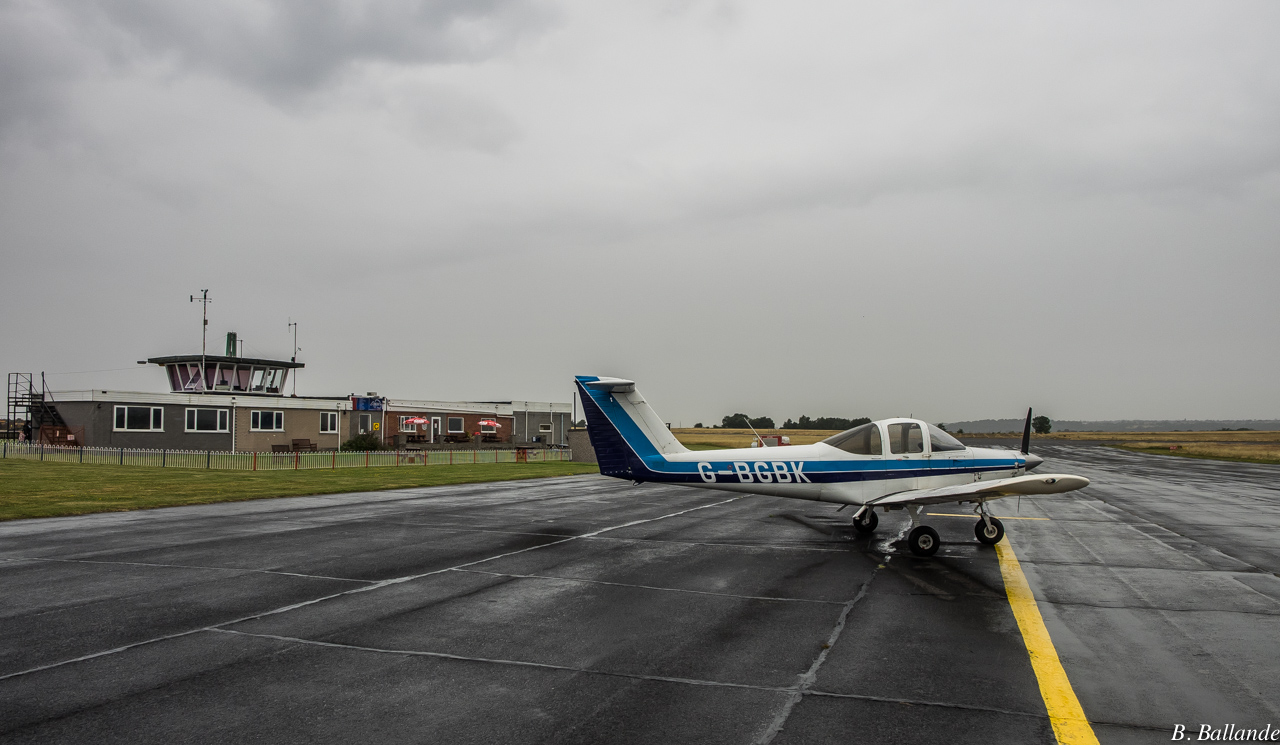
<point x="590" y="610"/>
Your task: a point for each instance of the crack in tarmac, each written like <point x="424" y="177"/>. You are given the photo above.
<point x="807" y="679"/>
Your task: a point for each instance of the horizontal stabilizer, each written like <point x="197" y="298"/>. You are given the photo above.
<point x="617" y="385"/>
<point x="1047" y="483"/>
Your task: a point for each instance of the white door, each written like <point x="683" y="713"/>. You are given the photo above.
<point x="906" y="452"/>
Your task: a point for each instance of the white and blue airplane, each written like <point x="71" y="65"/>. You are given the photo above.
<point x="891" y="464"/>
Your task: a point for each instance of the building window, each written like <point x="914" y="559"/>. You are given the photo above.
<point x="455" y="425"/>
<point x="266" y="421"/>
<point x="366" y="422"/>
<point x="328" y="422"/>
<point x="488" y="429"/>
<point x="139" y="419"/>
<point x="207" y="420"/>
<point x="407" y="427"/>
<point x="544" y="428"/>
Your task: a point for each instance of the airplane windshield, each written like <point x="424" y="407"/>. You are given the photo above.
<point x="864" y="440"/>
<point x="939" y="440"/>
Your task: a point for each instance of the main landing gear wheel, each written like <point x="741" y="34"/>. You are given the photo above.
<point x="866" y="522"/>
<point x="923" y="541"/>
<point x="989" y="534"/>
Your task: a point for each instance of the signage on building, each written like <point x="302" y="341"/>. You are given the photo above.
<point x="363" y="403"/>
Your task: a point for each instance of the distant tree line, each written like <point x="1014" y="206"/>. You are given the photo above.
<point x="742" y="421"/>
<point x="825" y="422"/>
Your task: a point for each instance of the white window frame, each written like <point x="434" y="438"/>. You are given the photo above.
<point x="545" y="429"/>
<point x="328" y="422"/>
<point x="408" y="427"/>
<point x="151" y="418"/>
<point x="462" y="427"/>
<point x="276" y="416"/>
<point x="488" y="429"/>
<point x="366" y="423"/>
<point x="223" y="420"/>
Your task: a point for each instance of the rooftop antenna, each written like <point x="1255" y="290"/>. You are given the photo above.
<point x="294" y="325"/>
<point x="204" y="332"/>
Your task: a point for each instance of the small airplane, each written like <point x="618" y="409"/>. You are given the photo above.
<point x="891" y="464"/>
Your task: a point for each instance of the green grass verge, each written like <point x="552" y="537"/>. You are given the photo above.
<point x="34" y="489"/>
<point x="1201" y="456"/>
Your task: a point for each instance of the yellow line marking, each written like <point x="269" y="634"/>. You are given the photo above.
<point x="1070" y="725"/>
<point x="1002" y="517"/>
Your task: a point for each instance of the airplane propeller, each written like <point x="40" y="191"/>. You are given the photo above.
<point x="1032" y="460"/>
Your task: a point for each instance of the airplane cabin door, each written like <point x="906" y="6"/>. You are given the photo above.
<point x="906" y="453"/>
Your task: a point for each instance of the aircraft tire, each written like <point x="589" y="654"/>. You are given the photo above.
<point x="866" y="523"/>
<point x="989" y="537"/>
<point x="923" y="541"/>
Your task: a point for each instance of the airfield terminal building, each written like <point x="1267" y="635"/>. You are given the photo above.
<point x="232" y="403"/>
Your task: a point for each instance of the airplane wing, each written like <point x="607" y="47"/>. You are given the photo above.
<point x="1045" y="483"/>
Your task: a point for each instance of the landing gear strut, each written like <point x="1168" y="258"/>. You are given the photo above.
<point x="923" y="541"/>
<point x="866" y="521"/>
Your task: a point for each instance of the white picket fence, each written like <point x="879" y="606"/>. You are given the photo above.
<point x="222" y="460"/>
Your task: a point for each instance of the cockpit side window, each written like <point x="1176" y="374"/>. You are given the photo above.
<point x="940" y="441"/>
<point x="864" y="440"/>
<point x="905" y="437"/>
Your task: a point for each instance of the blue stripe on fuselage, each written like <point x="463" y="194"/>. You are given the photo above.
<point x="645" y="463"/>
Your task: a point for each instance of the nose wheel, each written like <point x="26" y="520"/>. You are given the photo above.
<point x="990" y="534"/>
<point x="924" y="541"/>
<point x="866" y="522"/>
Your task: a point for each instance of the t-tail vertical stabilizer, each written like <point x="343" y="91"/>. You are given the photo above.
<point x="625" y="431"/>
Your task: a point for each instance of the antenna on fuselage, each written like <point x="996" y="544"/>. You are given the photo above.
<point x="1026" y="434"/>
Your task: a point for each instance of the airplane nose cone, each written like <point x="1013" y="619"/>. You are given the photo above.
<point x="1033" y="461"/>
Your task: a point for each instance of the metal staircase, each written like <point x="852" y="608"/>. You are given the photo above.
<point x="36" y="407"/>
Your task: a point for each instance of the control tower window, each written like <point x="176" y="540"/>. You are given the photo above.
<point x="940" y="441"/>
<point x="905" y="437"/>
<point x="864" y="440"/>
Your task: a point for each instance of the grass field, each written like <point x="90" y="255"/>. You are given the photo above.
<point x="35" y="489"/>
<point x="1240" y="452"/>
<point x="1244" y="447"/>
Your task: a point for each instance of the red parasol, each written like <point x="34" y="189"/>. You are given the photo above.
<point x="489" y="423"/>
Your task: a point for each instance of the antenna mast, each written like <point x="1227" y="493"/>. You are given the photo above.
<point x="204" y="334"/>
<point x="294" y="325"/>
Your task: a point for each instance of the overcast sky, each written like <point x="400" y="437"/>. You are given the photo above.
<point x="948" y="210"/>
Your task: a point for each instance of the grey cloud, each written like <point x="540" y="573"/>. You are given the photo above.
<point x="280" y="48"/>
<point x="288" y="46"/>
<point x="37" y="52"/>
